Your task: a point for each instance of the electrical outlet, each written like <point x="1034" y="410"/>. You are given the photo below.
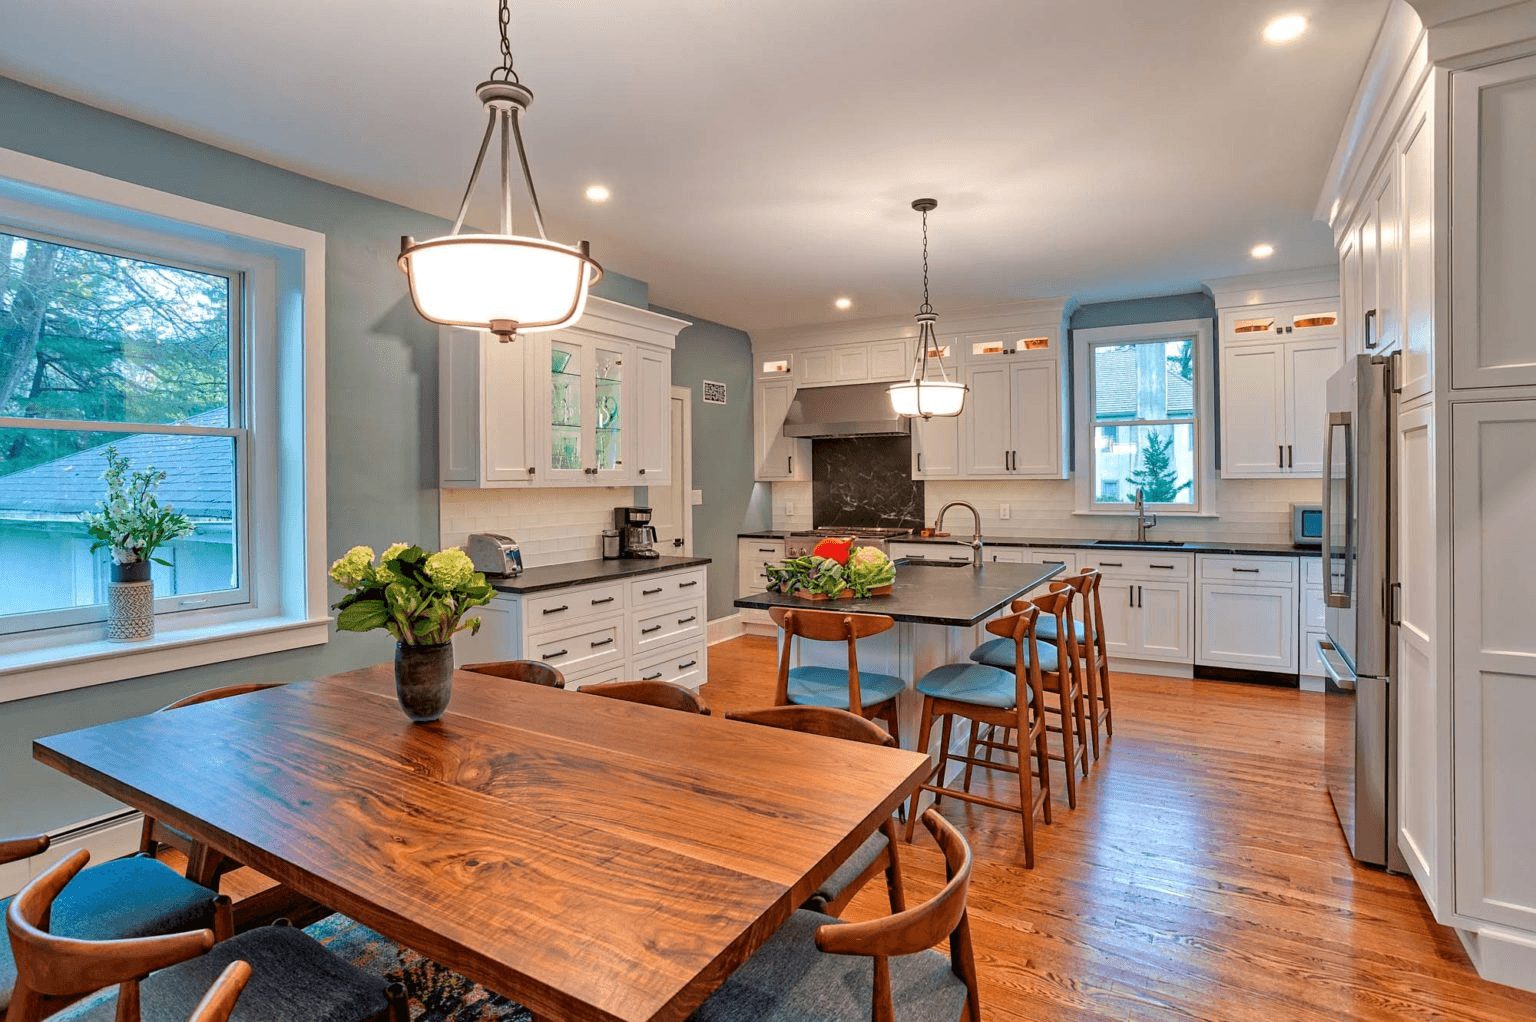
<point x="1003" y="512"/>
<point x="789" y="509"/>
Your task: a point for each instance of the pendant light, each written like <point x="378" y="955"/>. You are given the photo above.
<point x="505" y="283"/>
<point x="925" y="395"/>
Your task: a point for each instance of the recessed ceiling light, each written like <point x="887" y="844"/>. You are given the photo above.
<point x="1262" y="251"/>
<point x="1284" y="29"/>
<point x="598" y="193"/>
<point x="843" y="304"/>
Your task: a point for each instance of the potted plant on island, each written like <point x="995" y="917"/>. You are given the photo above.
<point x="132" y="523"/>
<point x="835" y="570"/>
<point x="420" y="598"/>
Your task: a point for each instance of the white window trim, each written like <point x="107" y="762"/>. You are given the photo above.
<point x="1083" y="342"/>
<point x="284" y="269"/>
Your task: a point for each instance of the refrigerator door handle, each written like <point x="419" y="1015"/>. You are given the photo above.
<point x="1331" y="596"/>
<point x="1338" y="671"/>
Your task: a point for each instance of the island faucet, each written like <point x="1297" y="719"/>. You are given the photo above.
<point x="1144" y="521"/>
<point x="938" y="526"/>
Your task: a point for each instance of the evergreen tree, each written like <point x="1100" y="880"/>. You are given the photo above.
<point x="1156" y="475"/>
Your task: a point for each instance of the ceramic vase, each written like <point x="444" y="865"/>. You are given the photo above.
<point x="130" y="603"/>
<point x="423" y="680"/>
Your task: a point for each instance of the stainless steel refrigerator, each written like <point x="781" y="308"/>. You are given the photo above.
<point x="1360" y="592"/>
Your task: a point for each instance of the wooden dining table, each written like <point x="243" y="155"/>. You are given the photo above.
<point x="587" y="857"/>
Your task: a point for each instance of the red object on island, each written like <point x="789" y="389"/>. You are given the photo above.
<point x="834" y="548"/>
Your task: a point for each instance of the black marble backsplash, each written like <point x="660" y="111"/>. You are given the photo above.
<point x="865" y="481"/>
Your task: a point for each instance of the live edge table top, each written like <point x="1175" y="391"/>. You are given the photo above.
<point x="590" y="858"/>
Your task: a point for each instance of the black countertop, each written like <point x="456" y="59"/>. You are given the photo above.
<point x="557" y="576"/>
<point x="960" y="595"/>
<point x="1250" y="549"/>
<point x="764" y="534"/>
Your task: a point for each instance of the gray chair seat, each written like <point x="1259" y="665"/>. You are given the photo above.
<point x="848" y="873"/>
<point x="828" y="686"/>
<point x="999" y="653"/>
<point x="789" y="980"/>
<point x="129" y="897"/>
<point x="293" y="979"/>
<point x="976" y="684"/>
<point x="1045" y="629"/>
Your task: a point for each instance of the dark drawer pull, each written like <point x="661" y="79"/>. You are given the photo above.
<point x="551" y="656"/>
<point x="1247" y="571"/>
<point x="651" y="677"/>
<point x="650" y="592"/>
<point x="1165" y="567"/>
<point x="555" y="610"/>
<point x="767" y="550"/>
<point x="1053" y="562"/>
<point x="605" y="599"/>
<point x="603" y="642"/>
<point x="685" y="620"/>
<point x="1111" y="564"/>
<point x="685" y="666"/>
<point x="648" y="631"/>
<point x="685" y="585"/>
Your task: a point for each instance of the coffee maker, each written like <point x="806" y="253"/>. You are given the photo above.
<point x="637" y="537"/>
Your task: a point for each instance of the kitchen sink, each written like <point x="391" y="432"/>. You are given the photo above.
<point x="1132" y="542"/>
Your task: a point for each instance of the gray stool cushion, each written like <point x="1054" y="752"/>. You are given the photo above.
<point x="976" y="684"/>
<point x="130" y="897"/>
<point x="999" y="653"/>
<point x="789" y="980"/>
<point x="844" y="876"/>
<point x="828" y="686"/>
<point x="293" y="979"/>
<point x="1045" y="630"/>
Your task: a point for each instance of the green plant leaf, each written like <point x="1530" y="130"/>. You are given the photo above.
<point x="363" y="616"/>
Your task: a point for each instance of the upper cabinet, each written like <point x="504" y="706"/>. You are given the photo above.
<point x="585" y="406"/>
<point x="776" y="456"/>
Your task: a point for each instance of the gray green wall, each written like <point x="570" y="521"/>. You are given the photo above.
<point x="381" y="382"/>
<point x="1162" y="309"/>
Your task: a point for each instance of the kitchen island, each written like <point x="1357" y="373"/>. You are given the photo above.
<point x="939" y="613"/>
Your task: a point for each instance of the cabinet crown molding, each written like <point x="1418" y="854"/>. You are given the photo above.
<point x="628" y="322"/>
<point x="1268" y="288"/>
<point x="1043" y="311"/>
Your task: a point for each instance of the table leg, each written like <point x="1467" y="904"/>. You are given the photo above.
<point x="203" y="862"/>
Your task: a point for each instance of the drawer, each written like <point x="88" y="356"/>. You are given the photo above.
<point x="654" y="590"/>
<point x="1311" y="661"/>
<point x="579" y="649"/>
<point x="605" y="672"/>
<point x="1004" y="555"/>
<point x="1043" y="555"/>
<point x="1312" y="571"/>
<point x="664" y="626"/>
<point x="555" y="609"/>
<point x="1135" y="563"/>
<point x="682" y="665"/>
<point x="1248" y="569"/>
<point x="751" y="556"/>
<point x="934" y="551"/>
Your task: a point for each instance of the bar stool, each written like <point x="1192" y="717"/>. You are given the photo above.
<point x="1088" y="632"/>
<point x="1060" y="670"/>
<point x="870" y="695"/>
<point x="983" y="694"/>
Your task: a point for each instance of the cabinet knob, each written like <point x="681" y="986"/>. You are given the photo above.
<point x="642" y="471"/>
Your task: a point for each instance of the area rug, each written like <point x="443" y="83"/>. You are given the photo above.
<point x="437" y="994"/>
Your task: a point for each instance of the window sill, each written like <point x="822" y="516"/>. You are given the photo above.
<point x="1160" y="512"/>
<point x="40" y="670"/>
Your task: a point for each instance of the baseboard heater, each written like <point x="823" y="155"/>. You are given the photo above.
<point x="86" y="828"/>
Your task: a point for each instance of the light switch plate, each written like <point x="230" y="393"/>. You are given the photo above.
<point x="1004" y="512"/>
<point x="696" y="497"/>
<point x="789" y="509"/>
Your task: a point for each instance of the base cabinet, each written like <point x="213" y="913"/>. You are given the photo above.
<point x="752" y="556"/>
<point x="1147" y="608"/>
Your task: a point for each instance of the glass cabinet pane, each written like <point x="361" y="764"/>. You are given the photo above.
<point x="565" y="406"/>
<point x="608" y="372"/>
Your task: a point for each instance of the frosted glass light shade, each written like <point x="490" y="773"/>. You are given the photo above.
<point x="918" y="399"/>
<point x="503" y="283"/>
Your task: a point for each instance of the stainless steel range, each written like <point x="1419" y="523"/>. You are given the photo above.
<point x="798" y="544"/>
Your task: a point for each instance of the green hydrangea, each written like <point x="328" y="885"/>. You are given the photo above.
<point x="353" y="567"/>
<point x="382" y="572"/>
<point x="450" y="569"/>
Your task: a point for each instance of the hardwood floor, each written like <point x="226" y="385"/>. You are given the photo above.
<point x="1202" y="876"/>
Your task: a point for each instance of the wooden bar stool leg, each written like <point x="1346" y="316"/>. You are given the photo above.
<point x="1068" y="757"/>
<point x="944" y="740"/>
<point x="970" y="753"/>
<point x="1026" y="796"/>
<point x="1042" y="752"/>
<point x="1082" y="719"/>
<point x="1109" y="711"/>
<point x="1090" y="677"/>
<point x="925" y="732"/>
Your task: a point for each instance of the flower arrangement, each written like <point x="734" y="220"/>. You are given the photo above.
<point x="131" y="521"/>
<point x="835" y="570"/>
<point x="419" y="598"/>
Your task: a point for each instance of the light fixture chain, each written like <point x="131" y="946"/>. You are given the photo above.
<point x="504" y="72"/>
<point x="926" y="306"/>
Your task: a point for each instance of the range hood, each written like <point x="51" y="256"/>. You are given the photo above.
<point x="862" y="409"/>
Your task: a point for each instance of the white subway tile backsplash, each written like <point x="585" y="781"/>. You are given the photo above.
<point x="551" y="526"/>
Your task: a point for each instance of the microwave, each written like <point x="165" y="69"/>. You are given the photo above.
<point x="1307" y="524"/>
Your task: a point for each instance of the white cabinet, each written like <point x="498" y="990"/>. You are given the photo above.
<point x="1415" y="373"/>
<point x="752" y="556"/>
<point x="1146" y="600"/>
<point x="1013" y="422"/>
<point x="930" y="551"/>
<point x="865" y="362"/>
<point x="890" y="361"/>
<point x="936" y="447"/>
<point x="1246" y="613"/>
<point x="653" y="416"/>
<point x="777" y="456"/>
<point x="1308" y="365"/>
<point x="588" y="407"/>
<point x="1312" y="624"/>
<point x="815" y="367"/>
<point x="485" y="420"/>
<point x="1253" y="411"/>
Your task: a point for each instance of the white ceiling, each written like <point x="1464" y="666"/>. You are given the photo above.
<point x="763" y="153"/>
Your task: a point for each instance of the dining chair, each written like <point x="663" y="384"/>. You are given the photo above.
<point x="878" y="852"/>
<point x="134" y="896"/>
<point x="291" y="975"/>
<point x="986" y="694"/>
<point x="219" y="1002"/>
<point x="817" y="968"/>
<point x="1060" y="671"/>
<point x="866" y="693"/>
<point x="652" y="693"/>
<point x="530" y="671"/>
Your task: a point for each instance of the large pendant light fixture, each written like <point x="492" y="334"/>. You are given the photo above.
<point x="505" y="283"/>
<point x="925" y="394"/>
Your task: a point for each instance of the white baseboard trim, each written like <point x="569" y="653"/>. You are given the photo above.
<point x="722" y="628"/>
<point x="1502" y="955"/>
<point x="1157" y="667"/>
<point x="106" y="837"/>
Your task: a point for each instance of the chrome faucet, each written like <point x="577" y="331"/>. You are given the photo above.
<point x="938" y="526"/>
<point x="1144" y="521"/>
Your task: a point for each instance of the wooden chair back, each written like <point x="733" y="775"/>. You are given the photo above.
<point x="652" y="693"/>
<point x="223" y="692"/>
<point x="219" y="1001"/>
<point x="917" y="929"/>
<point x="1086" y="584"/>
<point x="1057" y="603"/>
<point x="825" y="626"/>
<point x="1020" y="627"/>
<point x="530" y="671"/>
<point x="14" y="849"/>
<point x="818" y="720"/>
<point x="50" y="969"/>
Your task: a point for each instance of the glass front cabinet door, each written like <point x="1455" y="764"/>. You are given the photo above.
<point x="570" y="447"/>
<point x="610" y="411"/>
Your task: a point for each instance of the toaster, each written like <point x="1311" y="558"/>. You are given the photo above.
<point x="495" y="556"/>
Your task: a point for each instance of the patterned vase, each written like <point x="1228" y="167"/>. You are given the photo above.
<point x="423" y="680"/>
<point x="130" y="603"/>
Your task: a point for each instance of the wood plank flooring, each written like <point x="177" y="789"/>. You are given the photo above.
<point x="1203" y="875"/>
